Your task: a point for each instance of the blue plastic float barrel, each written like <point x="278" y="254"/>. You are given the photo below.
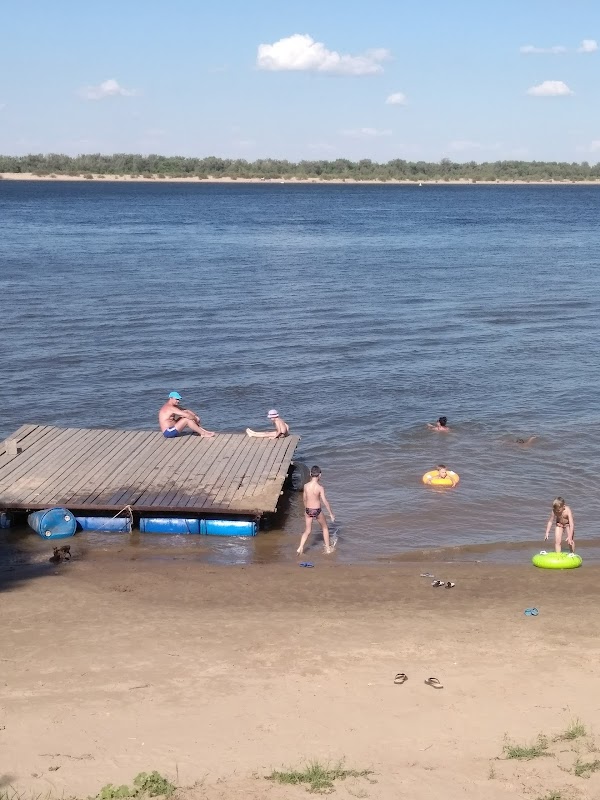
<point x="110" y="524"/>
<point x="228" y="527"/>
<point x="53" y="523"/>
<point x="5" y="519"/>
<point x="207" y="527"/>
<point x="169" y="525"/>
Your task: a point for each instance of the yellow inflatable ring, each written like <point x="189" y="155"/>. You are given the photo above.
<point x="432" y="478"/>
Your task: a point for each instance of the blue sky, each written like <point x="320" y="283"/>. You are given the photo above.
<point x="353" y="79"/>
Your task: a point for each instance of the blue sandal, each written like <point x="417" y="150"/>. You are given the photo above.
<point x="531" y="612"/>
<point x="305" y="564"/>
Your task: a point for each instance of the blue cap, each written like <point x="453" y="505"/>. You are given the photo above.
<point x="175" y="396"/>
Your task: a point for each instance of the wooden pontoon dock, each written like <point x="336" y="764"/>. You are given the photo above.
<point x="100" y="471"/>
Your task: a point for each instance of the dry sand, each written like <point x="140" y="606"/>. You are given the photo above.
<point x="30" y="176"/>
<point x="216" y="675"/>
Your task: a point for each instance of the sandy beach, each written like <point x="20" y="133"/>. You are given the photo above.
<point x="30" y="176"/>
<point x="215" y="676"/>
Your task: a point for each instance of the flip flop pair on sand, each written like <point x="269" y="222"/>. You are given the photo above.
<point x="402" y="677"/>
<point x="435" y="584"/>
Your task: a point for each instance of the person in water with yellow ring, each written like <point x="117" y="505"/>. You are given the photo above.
<point x="440" y="472"/>
<point x="562" y="519"/>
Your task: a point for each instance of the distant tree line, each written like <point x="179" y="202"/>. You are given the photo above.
<point x="340" y="169"/>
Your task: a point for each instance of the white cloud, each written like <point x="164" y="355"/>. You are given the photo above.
<point x="300" y="52"/>
<point x="595" y="146"/>
<point x="531" y="49"/>
<point x="396" y="99"/>
<point x="365" y="133"/>
<point x="588" y="46"/>
<point x="109" y="88"/>
<point x="550" y="89"/>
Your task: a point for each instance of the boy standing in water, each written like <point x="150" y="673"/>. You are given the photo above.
<point x="314" y="498"/>
<point x="562" y="517"/>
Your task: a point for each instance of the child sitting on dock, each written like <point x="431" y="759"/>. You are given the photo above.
<point x="562" y="519"/>
<point x="173" y="419"/>
<point x="314" y="498"/>
<point x="441" y="425"/>
<point x="281" y="427"/>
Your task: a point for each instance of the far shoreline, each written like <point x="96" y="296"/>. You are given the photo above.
<point x="58" y="178"/>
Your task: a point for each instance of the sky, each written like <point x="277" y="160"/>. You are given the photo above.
<point x="316" y="79"/>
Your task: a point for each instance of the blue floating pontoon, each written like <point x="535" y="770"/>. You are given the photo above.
<point x="207" y="527"/>
<point x="169" y="525"/>
<point x="110" y="524"/>
<point x="228" y="527"/>
<point x="53" y="523"/>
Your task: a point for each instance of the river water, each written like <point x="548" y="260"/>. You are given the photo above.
<point x="360" y="312"/>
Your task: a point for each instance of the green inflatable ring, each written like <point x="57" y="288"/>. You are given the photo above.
<point x="557" y="560"/>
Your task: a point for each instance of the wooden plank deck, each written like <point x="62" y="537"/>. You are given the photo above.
<point x="101" y="471"/>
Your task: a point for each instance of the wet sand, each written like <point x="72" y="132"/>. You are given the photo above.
<point x="216" y="675"/>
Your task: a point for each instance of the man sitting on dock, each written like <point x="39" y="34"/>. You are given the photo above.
<point x="173" y="419"/>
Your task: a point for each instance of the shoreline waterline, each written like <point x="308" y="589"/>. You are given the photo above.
<point x="22" y="549"/>
<point x="58" y="178"/>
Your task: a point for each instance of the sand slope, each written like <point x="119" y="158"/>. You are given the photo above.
<point x="214" y="676"/>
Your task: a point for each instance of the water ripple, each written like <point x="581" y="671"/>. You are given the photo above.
<point x="361" y="312"/>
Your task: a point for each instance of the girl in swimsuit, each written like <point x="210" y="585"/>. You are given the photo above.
<point x="562" y="519"/>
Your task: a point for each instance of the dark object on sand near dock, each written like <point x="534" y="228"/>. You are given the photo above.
<point x="61" y="554"/>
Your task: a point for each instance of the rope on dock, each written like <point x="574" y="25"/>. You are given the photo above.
<point x="129" y="511"/>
